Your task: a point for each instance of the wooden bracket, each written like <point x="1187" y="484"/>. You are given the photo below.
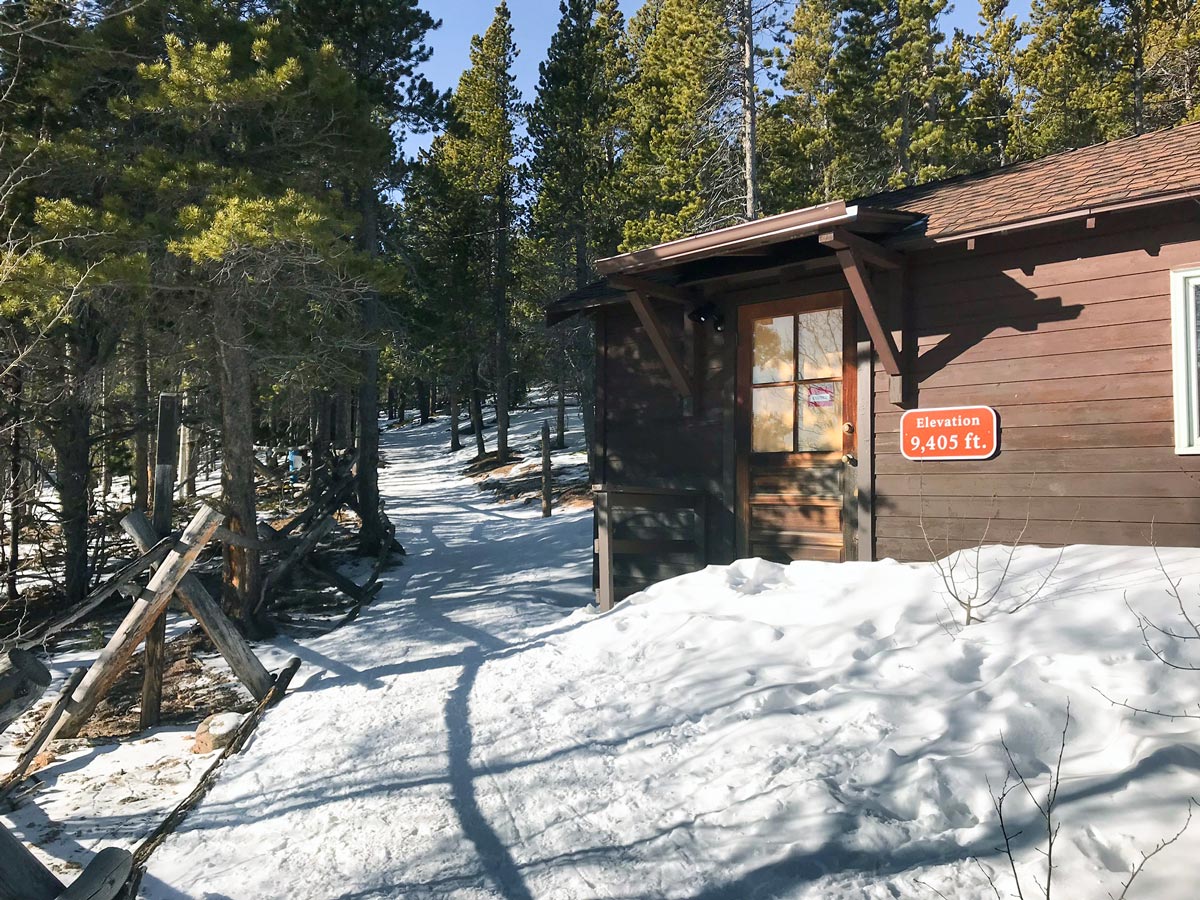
<point x="853" y="254"/>
<point x="680" y="377"/>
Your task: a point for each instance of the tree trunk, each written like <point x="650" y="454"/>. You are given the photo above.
<point x="455" y="441"/>
<point x="16" y="388"/>
<point x="72" y="452"/>
<point x="423" y="401"/>
<point x="241" y="580"/>
<point x="476" y="410"/>
<point x="560" y="440"/>
<point x="391" y="402"/>
<point x="321" y="423"/>
<point x="500" y="310"/>
<point x="372" y="533"/>
<point x="106" y="475"/>
<point x="141" y="421"/>
<point x="749" y="110"/>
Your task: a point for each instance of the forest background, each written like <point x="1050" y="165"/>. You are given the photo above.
<point x="215" y="199"/>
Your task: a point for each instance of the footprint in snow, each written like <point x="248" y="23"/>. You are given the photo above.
<point x="1094" y="845"/>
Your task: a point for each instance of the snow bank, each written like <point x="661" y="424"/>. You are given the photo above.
<point x="820" y="730"/>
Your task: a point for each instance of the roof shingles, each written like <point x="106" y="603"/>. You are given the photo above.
<point x="1145" y="166"/>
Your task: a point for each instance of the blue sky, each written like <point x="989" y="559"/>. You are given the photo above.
<point x="534" y="22"/>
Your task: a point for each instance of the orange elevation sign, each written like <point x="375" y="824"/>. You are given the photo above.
<point x="955" y="432"/>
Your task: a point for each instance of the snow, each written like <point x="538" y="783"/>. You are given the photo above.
<point x="753" y="730"/>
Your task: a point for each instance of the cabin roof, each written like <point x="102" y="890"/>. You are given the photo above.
<point x="1154" y="168"/>
<point x="1148" y="167"/>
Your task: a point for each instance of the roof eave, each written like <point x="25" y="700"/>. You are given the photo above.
<point x="751" y="235"/>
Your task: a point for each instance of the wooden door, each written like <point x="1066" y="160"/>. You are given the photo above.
<point x="796" y="434"/>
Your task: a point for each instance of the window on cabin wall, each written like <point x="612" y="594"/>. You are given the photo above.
<point x="1185" y="332"/>
<point x="797" y="383"/>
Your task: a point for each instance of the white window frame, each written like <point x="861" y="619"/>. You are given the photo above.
<point x="1184" y="284"/>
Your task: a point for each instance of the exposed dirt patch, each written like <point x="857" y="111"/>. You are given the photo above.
<point x="489" y="462"/>
<point x="191" y="691"/>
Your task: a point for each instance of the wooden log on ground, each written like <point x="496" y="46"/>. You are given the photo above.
<point x="103" y="878"/>
<point x="224" y="634"/>
<point x="137" y="623"/>
<point x="300" y="549"/>
<point x="23" y="680"/>
<point x="42" y="735"/>
<point x="336" y="579"/>
<point x="149" y="557"/>
<point x="22" y="877"/>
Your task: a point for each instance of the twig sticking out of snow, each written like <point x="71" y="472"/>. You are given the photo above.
<point x="1045" y="810"/>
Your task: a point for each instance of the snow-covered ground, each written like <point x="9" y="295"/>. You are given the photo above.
<point x="754" y="730"/>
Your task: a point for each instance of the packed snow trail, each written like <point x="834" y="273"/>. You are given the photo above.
<point x="813" y="731"/>
<point x="361" y="783"/>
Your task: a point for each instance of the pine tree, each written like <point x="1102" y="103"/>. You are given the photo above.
<point x="382" y="43"/>
<point x="482" y="159"/>
<point x="1071" y="70"/>
<point x="993" y="108"/>
<point x="797" y="139"/>
<point x="685" y="177"/>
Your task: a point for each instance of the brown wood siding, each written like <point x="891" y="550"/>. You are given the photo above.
<point x="651" y="439"/>
<point x="1066" y="332"/>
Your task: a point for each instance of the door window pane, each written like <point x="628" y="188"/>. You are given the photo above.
<point x="819" y="416"/>
<point x="774" y="350"/>
<point x="820" y="353"/>
<point x="773" y="419"/>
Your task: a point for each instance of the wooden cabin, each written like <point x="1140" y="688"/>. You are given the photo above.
<point x="750" y="382"/>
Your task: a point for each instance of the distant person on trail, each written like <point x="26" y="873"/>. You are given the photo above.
<point x="294" y="463"/>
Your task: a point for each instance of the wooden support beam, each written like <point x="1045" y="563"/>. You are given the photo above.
<point x="662" y="345"/>
<point x="647" y="288"/>
<point x="23" y="680"/>
<point x="336" y="579"/>
<point x="876" y="254"/>
<point x="132" y="631"/>
<point x="166" y="452"/>
<point x="223" y="633"/>
<point x="605" y="593"/>
<point x="873" y="308"/>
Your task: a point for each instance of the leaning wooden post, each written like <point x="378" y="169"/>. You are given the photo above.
<point x="224" y="635"/>
<point x="35" y="744"/>
<point x="546" y="496"/>
<point x="166" y="444"/>
<point x="150" y="605"/>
